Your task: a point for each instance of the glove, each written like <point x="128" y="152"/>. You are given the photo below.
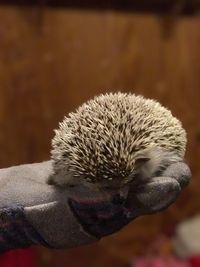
<point x="33" y="212"/>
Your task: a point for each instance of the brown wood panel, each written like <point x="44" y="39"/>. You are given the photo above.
<point x="51" y="61"/>
<point x="145" y="6"/>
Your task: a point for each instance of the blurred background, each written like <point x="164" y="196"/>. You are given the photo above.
<point x="56" y="55"/>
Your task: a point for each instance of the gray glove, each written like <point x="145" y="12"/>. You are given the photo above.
<point x="33" y="212"/>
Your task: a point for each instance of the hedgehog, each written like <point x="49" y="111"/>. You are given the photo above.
<point x="116" y="139"/>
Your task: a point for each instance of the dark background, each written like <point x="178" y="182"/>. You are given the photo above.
<point x="52" y="59"/>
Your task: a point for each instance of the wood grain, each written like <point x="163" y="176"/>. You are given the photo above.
<point x="185" y="7"/>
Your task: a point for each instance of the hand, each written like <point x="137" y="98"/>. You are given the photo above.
<point x="159" y="192"/>
<point x="105" y="217"/>
<point x="33" y="212"/>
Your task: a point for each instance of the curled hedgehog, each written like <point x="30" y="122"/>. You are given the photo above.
<point x="114" y="140"/>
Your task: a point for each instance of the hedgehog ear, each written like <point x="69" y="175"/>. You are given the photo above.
<point x="141" y="161"/>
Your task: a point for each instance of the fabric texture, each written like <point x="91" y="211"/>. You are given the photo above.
<point x="34" y="212"/>
<point x="16" y="231"/>
<point x="101" y="219"/>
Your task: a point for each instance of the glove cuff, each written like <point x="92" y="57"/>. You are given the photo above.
<point x="16" y="231"/>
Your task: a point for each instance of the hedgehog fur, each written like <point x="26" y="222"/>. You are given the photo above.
<point x="104" y="137"/>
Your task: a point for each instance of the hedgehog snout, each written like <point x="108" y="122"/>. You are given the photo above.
<point x="117" y="193"/>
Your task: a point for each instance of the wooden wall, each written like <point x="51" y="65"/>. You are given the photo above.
<point x="52" y="60"/>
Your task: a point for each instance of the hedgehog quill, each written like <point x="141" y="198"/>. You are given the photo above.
<point x="117" y="157"/>
<point x="115" y="140"/>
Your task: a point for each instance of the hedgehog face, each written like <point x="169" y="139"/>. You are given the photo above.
<point x="104" y="141"/>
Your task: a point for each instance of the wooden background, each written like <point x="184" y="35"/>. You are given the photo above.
<point x="52" y="60"/>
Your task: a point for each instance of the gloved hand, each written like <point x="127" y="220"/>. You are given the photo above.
<point x="33" y="212"/>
